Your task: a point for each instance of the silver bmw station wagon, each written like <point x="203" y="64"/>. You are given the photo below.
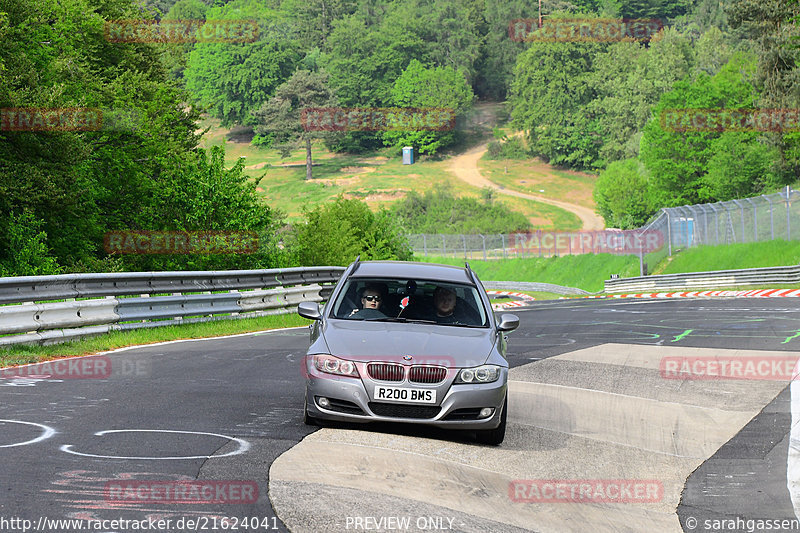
<point x="408" y="342"/>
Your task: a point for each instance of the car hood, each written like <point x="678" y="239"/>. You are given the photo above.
<point x="425" y="343"/>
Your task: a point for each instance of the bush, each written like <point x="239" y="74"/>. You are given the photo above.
<point x="509" y="149"/>
<point x="335" y="233"/>
<point x="440" y="212"/>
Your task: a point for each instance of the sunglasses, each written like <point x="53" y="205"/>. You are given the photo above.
<point x="371" y="298"/>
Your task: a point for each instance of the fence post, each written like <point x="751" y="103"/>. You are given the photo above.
<point x="484" y="247"/>
<point x="741" y="208"/>
<point x="695" y="222"/>
<point x="669" y="232"/>
<point x="788" y="219"/>
<point x="771" y="218"/>
<point x="444" y="247"/>
<point x="716" y="220"/>
<point x="755" y="219"/>
<point x="503" y="238"/>
<point x="424" y="246"/>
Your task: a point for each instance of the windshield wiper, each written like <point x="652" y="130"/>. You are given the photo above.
<point x="403" y="319"/>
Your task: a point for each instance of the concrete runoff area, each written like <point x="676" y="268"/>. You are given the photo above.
<point x="633" y="424"/>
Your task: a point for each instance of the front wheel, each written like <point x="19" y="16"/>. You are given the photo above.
<point x="495" y="436"/>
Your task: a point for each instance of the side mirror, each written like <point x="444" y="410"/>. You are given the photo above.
<point x="508" y="322"/>
<point x="309" y="310"/>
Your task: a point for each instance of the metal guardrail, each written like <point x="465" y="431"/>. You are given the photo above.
<point x="706" y="280"/>
<point x="132" y="300"/>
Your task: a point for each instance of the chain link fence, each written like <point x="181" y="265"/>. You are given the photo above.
<point x="761" y="218"/>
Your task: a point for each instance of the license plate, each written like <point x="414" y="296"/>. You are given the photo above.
<point x="405" y="395"/>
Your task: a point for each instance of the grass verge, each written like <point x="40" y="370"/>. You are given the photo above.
<point x="732" y="256"/>
<point x="585" y="272"/>
<point x="16" y="355"/>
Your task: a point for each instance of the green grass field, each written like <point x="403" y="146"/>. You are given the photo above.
<point x="378" y="178"/>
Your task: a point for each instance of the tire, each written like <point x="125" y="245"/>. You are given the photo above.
<point x="495" y="436"/>
<point x="308" y="419"/>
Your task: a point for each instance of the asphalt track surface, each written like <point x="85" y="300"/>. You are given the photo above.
<point x="226" y="409"/>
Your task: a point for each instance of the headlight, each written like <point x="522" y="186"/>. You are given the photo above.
<point x="333" y="365"/>
<point x="479" y="374"/>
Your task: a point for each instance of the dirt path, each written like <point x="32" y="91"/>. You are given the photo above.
<point x="465" y="167"/>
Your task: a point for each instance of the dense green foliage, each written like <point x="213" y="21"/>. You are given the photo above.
<point x="440" y="212"/>
<point x="584" y="105"/>
<point x="335" y="233"/>
<point x="420" y="87"/>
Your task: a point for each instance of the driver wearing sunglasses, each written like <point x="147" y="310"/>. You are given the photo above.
<point x="370" y="299"/>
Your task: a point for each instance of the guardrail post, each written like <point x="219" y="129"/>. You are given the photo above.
<point x="771" y="218"/>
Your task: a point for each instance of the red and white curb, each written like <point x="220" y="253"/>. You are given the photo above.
<point x="514" y="303"/>
<point x="759" y="293"/>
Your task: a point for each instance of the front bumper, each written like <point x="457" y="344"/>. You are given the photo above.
<point x="352" y="401"/>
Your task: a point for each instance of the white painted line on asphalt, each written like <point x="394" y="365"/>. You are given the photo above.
<point x="47" y="432"/>
<point x="243" y="445"/>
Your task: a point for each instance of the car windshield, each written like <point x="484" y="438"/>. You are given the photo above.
<point x="410" y="300"/>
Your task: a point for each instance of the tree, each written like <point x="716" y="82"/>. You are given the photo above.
<point x="233" y="79"/>
<point x="280" y="120"/>
<point x="741" y="166"/>
<point x="678" y="160"/>
<point x="25" y="253"/>
<point x="440" y="87"/>
<point x="177" y="54"/>
<point x="549" y="97"/>
<point x="335" y="233"/>
<point x="773" y="27"/>
<point x="447" y="29"/>
<point x="629" y="78"/>
<point x="363" y="64"/>
<point x="623" y="195"/>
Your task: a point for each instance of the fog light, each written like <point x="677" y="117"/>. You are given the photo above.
<point x="323" y="402"/>
<point x="486" y="412"/>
